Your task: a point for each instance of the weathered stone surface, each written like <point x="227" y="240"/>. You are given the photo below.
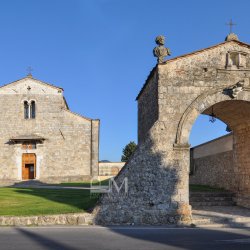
<point x="47" y="220"/>
<point x="169" y="103"/>
<point x="70" y="149"/>
<point x="210" y="170"/>
<point x="212" y="161"/>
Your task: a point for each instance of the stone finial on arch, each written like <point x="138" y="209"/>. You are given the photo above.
<point x="200" y="104"/>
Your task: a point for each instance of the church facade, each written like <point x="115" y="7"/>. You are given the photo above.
<point x="41" y="139"/>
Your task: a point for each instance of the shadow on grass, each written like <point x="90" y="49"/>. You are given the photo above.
<point x="78" y="198"/>
<point x="38" y="201"/>
<point x="34" y="197"/>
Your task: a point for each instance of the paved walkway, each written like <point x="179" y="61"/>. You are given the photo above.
<point x="225" y="215"/>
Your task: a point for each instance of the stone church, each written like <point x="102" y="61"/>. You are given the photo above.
<point x="41" y="138"/>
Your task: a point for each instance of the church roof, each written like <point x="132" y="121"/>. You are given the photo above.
<point x="81" y="116"/>
<point x="30" y="77"/>
<point x="187" y="55"/>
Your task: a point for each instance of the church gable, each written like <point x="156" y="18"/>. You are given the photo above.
<point x="232" y="55"/>
<point x="202" y="64"/>
<point x="30" y="85"/>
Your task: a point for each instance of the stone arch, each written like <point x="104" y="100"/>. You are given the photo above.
<point x="198" y="106"/>
<point x="235" y="112"/>
<point x="174" y="95"/>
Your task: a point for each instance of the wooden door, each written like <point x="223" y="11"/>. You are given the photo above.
<point x="28" y="166"/>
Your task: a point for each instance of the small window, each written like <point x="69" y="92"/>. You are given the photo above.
<point x="26" y="110"/>
<point x="29" y="145"/>
<point x="33" y="110"/>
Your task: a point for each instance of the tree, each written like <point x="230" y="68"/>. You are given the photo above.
<point x="128" y="151"/>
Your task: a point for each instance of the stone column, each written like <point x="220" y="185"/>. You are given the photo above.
<point x="95" y="148"/>
<point x="182" y="156"/>
<point x="242" y="164"/>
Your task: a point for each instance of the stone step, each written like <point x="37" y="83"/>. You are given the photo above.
<point x="198" y="199"/>
<point x="211" y="194"/>
<point x="211" y="203"/>
<point x="208" y="199"/>
<point x="221" y="222"/>
<point x="224" y="216"/>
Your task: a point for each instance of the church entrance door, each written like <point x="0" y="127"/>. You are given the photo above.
<point x="28" y="166"/>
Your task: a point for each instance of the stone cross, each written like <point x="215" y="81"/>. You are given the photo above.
<point x="29" y="70"/>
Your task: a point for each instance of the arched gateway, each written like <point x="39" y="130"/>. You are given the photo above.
<point x="175" y="93"/>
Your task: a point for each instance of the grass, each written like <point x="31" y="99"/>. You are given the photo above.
<point x="83" y="184"/>
<point x="204" y="188"/>
<point x="35" y="201"/>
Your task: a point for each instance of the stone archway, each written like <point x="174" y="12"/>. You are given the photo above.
<point x="175" y="93"/>
<point x="236" y="114"/>
<point x="202" y="105"/>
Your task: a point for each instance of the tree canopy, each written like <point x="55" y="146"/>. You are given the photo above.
<point x="128" y="151"/>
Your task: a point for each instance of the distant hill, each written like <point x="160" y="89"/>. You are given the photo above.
<point x="104" y="161"/>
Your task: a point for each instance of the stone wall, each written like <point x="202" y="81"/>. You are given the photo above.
<point x="148" y="106"/>
<point x="211" y="170"/>
<point x="70" y="149"/>
<point x="213" y="147"/>
<point x="242" y="157"/>
<point x="110" y="168"/>
<point x="48" y="220"/>
<point x="213" y="161"/>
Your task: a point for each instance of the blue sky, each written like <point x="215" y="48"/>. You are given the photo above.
<point x="100" y="52"/>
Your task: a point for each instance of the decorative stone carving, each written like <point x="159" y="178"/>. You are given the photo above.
<point x="236" y="60"/>
<point x="235" y="90"/>
<point x="160" y="51"/>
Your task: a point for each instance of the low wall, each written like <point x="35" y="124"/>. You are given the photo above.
<point x="47" y="220"/>
<point x="110" y="168"/>
<point x="212" y="163"/>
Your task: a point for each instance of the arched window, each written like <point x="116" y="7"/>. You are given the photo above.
<point x="29" y="110"/>
<point x="33" y="110"/>
<point x="26" y="110"/>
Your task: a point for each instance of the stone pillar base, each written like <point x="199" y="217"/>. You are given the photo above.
<point x="181" y="216"/>
<point x="243" y="200"/>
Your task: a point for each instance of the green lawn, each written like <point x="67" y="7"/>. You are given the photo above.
<point x="34" y="201"/>
<point x="83" y="183"/>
